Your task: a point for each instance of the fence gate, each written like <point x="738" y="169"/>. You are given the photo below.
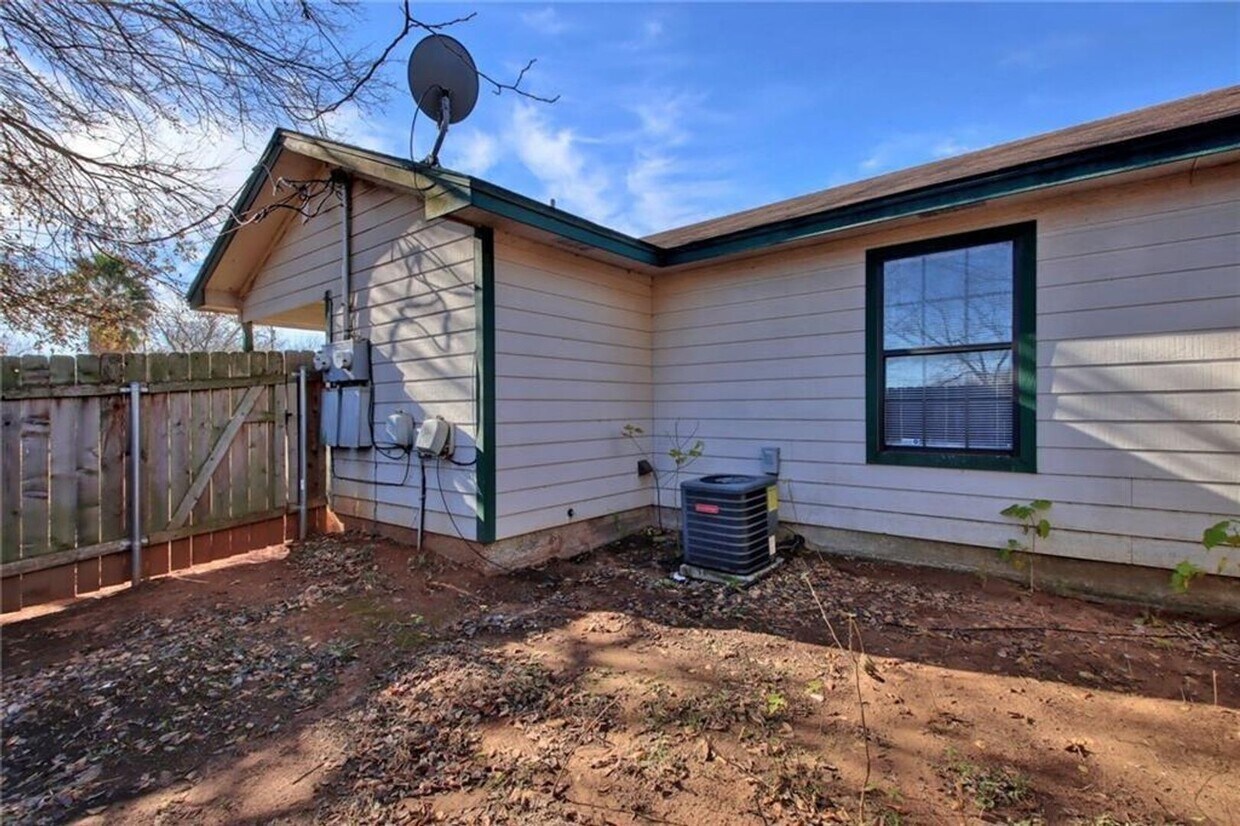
<point x="217" y="465"/>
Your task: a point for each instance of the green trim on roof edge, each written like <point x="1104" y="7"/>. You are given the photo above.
<point x="507" y="204"/>
<point x="1185" y="143"/>
<point x="195" y="295"/>
<point x="1125" y="156"/>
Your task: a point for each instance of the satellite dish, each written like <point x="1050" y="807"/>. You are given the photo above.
<point x="444" y="83"/>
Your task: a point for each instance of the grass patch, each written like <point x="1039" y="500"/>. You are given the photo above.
<point x="989" y="787"/>
<point x="401" y="630"/>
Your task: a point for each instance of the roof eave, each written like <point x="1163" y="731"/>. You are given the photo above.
<point x="196" y="294"/>
<point x="449" y="193"/>
<point x="505" y="203"/>
<point x="1135" y="154"/>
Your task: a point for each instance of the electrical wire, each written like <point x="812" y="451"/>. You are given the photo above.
<point x="413" y="125"/>
<point x="460" y="534"/>
<point x="403" y="480"/>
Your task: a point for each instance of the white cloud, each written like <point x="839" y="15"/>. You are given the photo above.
<point x="545" y="21"/>
<point x="667" y="192"/>
<point x="378" y="134"/>
<point x="949" y="146"/>
<point x="556" y="158"/>
<point x="1047" y="52"/>
<point x="649" y="34"/>
<point x="664" y="116"/>
<point x="472" y="151"/>
<point x="639" y="181"/>
<point x="909" y="149"/>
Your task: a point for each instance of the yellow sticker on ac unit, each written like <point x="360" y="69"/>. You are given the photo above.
<point x="772" y="498"/>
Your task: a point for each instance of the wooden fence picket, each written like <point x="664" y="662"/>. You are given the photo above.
<point x="215" y="454"/>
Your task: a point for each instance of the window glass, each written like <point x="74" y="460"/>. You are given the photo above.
<point x="947" y="341"/>
<point x="949" y="401"/>
<point x="947" y="299"/>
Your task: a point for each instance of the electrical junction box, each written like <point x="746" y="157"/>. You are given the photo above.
<point x="433" y="437"/>
<point x="344" y="361"/>
<point x="770" y="461"/>
<point x="345" y="416"/>
<point x="400" y="429"/>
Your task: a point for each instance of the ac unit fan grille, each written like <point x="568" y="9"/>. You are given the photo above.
<point x="728" y="523"/>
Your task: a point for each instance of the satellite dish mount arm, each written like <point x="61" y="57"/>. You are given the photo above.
<point x="445" y="118"/>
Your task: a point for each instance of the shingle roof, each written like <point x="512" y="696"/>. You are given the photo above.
<point x="1192" y="127"/>
<point x="1143" y="122"/>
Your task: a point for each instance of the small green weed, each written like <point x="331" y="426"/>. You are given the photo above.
<point x="799" y="782"/>
<point x="776" y="703"/>
<point x="989" y="787"/>
<point x="1034" y="525"/>
<point x="1182" y="576"/>
<point x="684" y="451"/>
<point x="1224" y="534"/>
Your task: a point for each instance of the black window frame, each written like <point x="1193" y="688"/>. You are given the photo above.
<point x="1022" y="457"/>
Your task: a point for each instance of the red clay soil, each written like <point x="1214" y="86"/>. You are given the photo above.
<point x="350" y="680"/>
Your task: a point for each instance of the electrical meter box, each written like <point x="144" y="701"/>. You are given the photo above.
<point x="433" y="437"/>
<point x="344" y="361"/>
<point x="345" y="417"/>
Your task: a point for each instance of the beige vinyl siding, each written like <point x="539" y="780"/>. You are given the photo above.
<point x="572" y="368"/>
<point x="1138" y="382"/>
<point x="413" y="286"/>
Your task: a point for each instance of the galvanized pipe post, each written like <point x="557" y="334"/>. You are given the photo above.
<point x="346" y="254"/>
<point x="135" y="481"/>
<point x="303" y="410"/>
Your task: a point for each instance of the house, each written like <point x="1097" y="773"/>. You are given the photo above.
<point x="1054" y="318"/>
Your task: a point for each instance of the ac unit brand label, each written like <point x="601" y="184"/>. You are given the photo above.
<point x="702" y="507"/>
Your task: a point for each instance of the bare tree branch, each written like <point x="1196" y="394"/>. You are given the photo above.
<point x="108" y="109"/>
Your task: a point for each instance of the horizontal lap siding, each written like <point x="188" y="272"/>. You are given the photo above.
<point x="1138" y="383"/>
<point x="413" y="286"/>
<point x="572" y="368"/>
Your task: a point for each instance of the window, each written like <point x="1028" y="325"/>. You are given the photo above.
<point x="950" y="351"/>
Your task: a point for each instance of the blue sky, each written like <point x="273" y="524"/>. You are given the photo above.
<point x="674" y="113"/>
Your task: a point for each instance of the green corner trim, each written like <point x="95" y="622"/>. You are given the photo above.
<point x="1023" y="457"/>
<point x="484" y="376"/>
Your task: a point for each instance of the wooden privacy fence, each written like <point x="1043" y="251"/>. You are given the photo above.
<point x="217" y="465"/>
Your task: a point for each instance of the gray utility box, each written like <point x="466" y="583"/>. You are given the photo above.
<point x="345" y="416"/>
<point x="730" y="522"/>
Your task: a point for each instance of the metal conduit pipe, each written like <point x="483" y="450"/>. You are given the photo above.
<point x="345" y="191"/>
<point x="135" y="482"/>
<point x="303" y="409"/>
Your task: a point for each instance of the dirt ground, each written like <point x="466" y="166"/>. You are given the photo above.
<point x="352" y="681"/>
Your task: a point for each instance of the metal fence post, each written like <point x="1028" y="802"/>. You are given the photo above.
<point x="135" y="481"/>
<point x="303" y="410"/>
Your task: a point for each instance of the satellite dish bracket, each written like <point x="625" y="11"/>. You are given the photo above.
<point x="445" y="120"/>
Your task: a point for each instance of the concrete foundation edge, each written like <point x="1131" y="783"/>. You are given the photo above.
<point x="514" y="553"/>
<point x="1213" y="595"/>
